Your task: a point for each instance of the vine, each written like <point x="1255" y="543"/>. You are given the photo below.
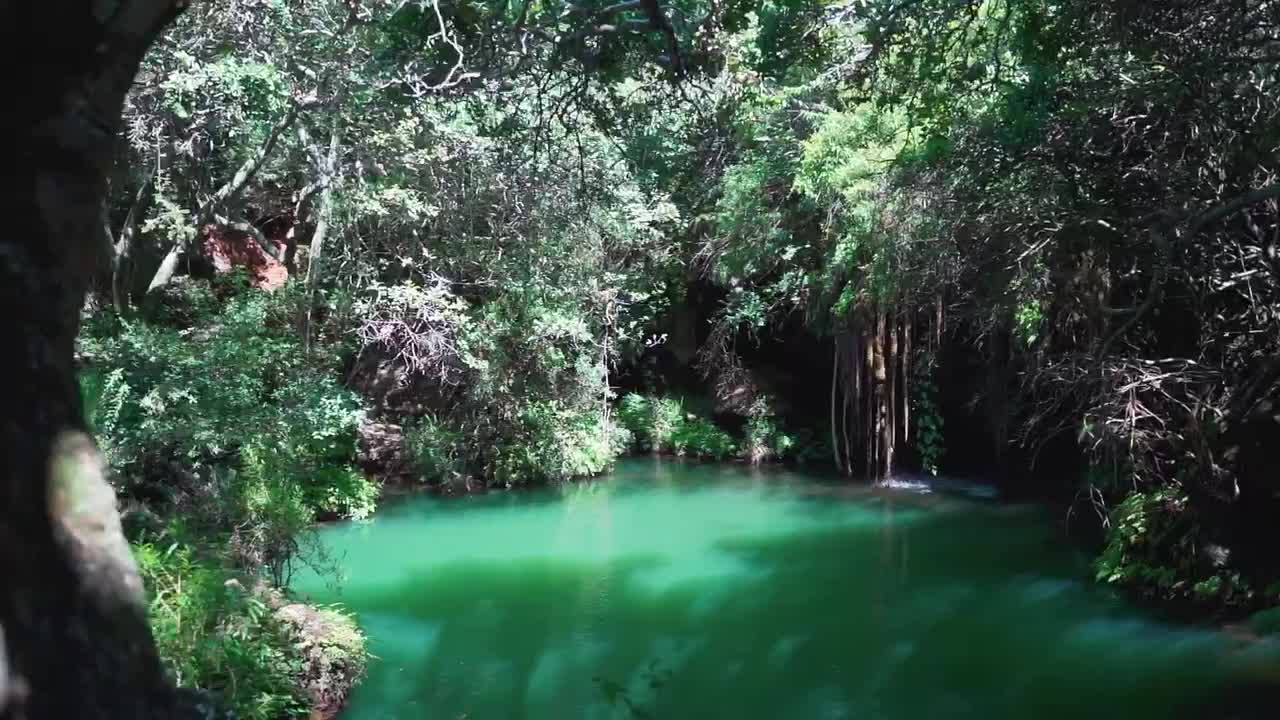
<point x="929" y="436"/>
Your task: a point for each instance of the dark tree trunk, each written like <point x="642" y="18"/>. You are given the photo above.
<point x="869" y="409"/>
<point x="880" y="378"/>
<point x="905" y="394"/>
<point x="835" y="425"/>
<point x="891" y="394"/>
<point x="853" y="405"/>
<point x="74" y="642"/>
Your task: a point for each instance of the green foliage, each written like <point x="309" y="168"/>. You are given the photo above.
<point x="183" y="303"/>
<point x="198" y="394"/>
<point x="699" y="437"/>
<point x="504" y="245"/>
<point x="1027" y="321"/>
<point x="929" y="439"/>
<point x="652" y="422"/>
<point x="104" y="396"/>
<point x="552" y="444"/>
<point x="764" y="440"/>
<point x="268" y="510"/>
<point x="1157" y="546"/>
<point x="223" y="418"/>
<point x="436" y="450"/>
<point x="229" y="419"/>
<point x="530" y="409"/>
<point x="212" y="634"/>
<point x="633" y="414"/>
<point x="663" y="425"/>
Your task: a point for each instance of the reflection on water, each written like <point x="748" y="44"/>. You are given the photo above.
<point x="686" y="591"/>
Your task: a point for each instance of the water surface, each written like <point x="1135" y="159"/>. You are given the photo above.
<point x="672" y="591"/>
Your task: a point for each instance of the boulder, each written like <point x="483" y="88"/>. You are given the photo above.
<point x="228" y="249"/>
<point x="381" y="450"/>
<point x="333" y="655"/>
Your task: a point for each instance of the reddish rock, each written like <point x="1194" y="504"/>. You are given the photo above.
<point x="228" y="249"/>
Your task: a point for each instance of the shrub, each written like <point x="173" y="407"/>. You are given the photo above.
<point x="765" y="440"/>
<point x="701" y="438"/>
<point x="416" y="324"/>
<point x="199" y="395"/>
<point x="633" y="414"/>
<point x="652" y="422"/>
<point x="435" y="450"/>
<point x="231" y="418"/>
<point x="662" y="425"/>
<point x="342" y="491"/>
<point x="1155" y="546"/>
<point x="183" y="302"/>
<point x="105" y="396"/>
<point x="213" y="635"/>
<point x="545" y="442"/>
<point x="666" y="417"/>
<point x="270" y="512"/>
<point x="553" y="444"/>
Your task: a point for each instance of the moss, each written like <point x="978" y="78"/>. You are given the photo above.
<point x="332" y="650"/>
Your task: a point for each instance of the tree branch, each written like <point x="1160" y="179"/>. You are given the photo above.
<point x="208" y="209"/>
<point x="1165" y="247"/>
<point x="248" y="169"/>
<point x="249" y="229"/>
<point x="1233" y="206"/>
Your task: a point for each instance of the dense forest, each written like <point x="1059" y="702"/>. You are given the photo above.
<point x="336" y="250"/>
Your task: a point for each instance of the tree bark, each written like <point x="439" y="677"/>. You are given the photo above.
<point x="835" y="384"/>
<point x="122" y="248"/>
<point x="291" y="238"/>
<point x="74" y="641"/>
<point x="879" y="437"/>
<point x="891" y="392"/>
<point x="327" y="168"/>
<point x="853" y="404"/>
<point x="937" y="325"/>
<point x="847" y="407"/>
<point x="906" y="379"/>
<point x="869" y="405"/>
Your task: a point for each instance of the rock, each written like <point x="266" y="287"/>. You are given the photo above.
<point x="381" y="451"/>
<point x="1219" y="556"/>
<point x="333" y="652"/>
<point x="228" y="249"/>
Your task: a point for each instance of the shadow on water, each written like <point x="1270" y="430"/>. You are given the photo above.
<point x="876" y="607"/>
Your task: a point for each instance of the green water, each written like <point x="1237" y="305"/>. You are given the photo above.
<point x="673" y="591"/>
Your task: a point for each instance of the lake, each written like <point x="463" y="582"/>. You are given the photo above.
<point x="672" y="590"/>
